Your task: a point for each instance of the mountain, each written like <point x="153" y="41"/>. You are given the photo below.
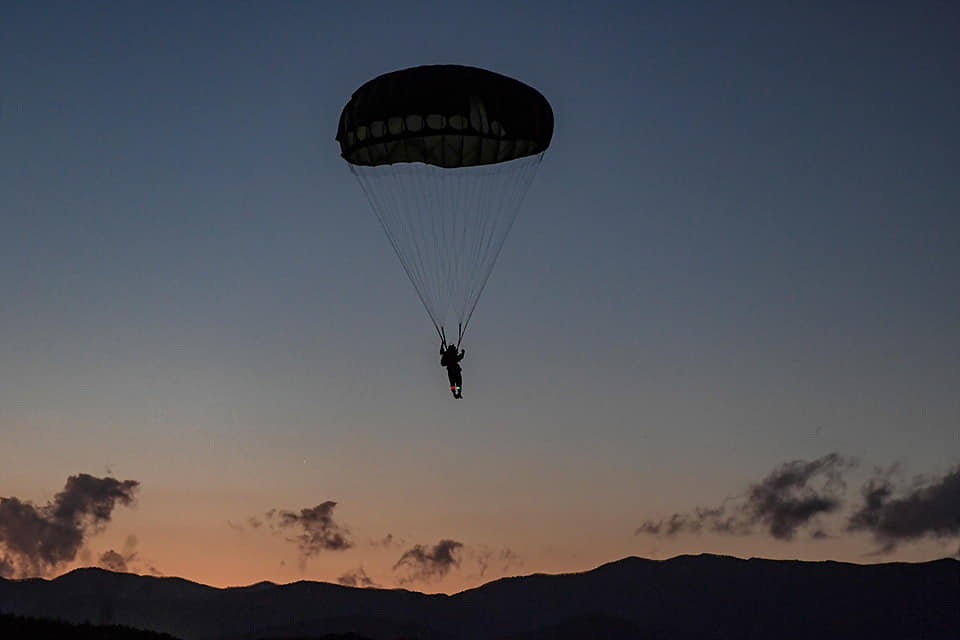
<point x="682" y="598"/>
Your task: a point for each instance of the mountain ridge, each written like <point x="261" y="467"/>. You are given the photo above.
<point x="685" y="597"/>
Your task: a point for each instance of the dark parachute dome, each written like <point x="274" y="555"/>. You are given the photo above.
<point x="444" y="115"/>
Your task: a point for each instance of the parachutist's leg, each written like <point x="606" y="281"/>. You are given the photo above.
<point x="454" y="386"/>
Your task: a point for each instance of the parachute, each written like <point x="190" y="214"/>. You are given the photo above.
<point x="445" y="155"/>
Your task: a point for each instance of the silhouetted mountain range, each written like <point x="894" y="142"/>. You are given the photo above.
<point x="681" y="599"/>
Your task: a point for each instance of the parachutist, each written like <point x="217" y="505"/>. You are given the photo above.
<point x="450" y="359"/>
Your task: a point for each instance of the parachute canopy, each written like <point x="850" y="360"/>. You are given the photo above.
<point x="445" y="155"/>
<point x="444" y="115"/>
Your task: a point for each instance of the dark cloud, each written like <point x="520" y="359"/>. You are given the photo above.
<point x="784" y="501"/>
<point x="318" y="531"/>
<point x="85" y="496"/>
<point x="113" y="561"/>
<point x="35" y="540"/>
<point x="120" y="561"/>
<point x="876" y="493"/>
<point x="356" y="578"/>
<point x="255" y="522"/>
<point x="422" y="563"/>
<point x="930" y="510"/>
<point x="789" y="498"/>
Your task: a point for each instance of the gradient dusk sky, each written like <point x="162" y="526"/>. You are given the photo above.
<point x="741" y="251"/>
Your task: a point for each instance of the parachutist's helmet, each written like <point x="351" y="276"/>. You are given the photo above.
<point x="452" y="347"/>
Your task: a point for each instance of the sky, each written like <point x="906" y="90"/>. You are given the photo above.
<point x="725" y="320"/>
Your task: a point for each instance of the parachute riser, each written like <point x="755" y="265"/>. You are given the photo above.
<point x="443" y="336"/>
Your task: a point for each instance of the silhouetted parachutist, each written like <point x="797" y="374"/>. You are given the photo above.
<point x="450" y="359"/>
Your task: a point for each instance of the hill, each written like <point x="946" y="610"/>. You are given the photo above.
<point x="682" y="598"/>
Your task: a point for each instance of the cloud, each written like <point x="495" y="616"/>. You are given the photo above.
<point x="784" y="501"/>
<point x="113" y="561"/>
<point x="505" y="559"/>
<point x="422" y="564"/>
<point x="35" y="540"/>
<point x="510" y="559"/>
<point x="253" y="522"/>
<point x="120" y="561"/>
<point x="930" y="510"/>
<point x="790" y="497"/>
<point x="318" y="531"/>
<point x="7" y="570"/>
<point x="714" y="519"/>
<point x="483" y="560"/>
<point x="385" y="542"/>
<point x="356" y="578"/>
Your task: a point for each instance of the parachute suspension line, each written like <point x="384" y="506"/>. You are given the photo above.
<point x="447" y="227"/>
<point x="510" y="200"/>
<point x="381" y="211"/>
<point x="390" y="202"/>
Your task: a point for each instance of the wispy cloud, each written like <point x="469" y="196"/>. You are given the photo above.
<point x="317" y="529"/>
<point x="356" y="578"/>
<point x="789" y="498"/>
<point x="120" y="561"/>
<point x="422" y="563"/>
<point x="35" y="540"/>
<point x="498" y="561"/>
<point x="386" y="541"/>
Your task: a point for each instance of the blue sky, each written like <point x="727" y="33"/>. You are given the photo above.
<point x="742" y="248"/>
